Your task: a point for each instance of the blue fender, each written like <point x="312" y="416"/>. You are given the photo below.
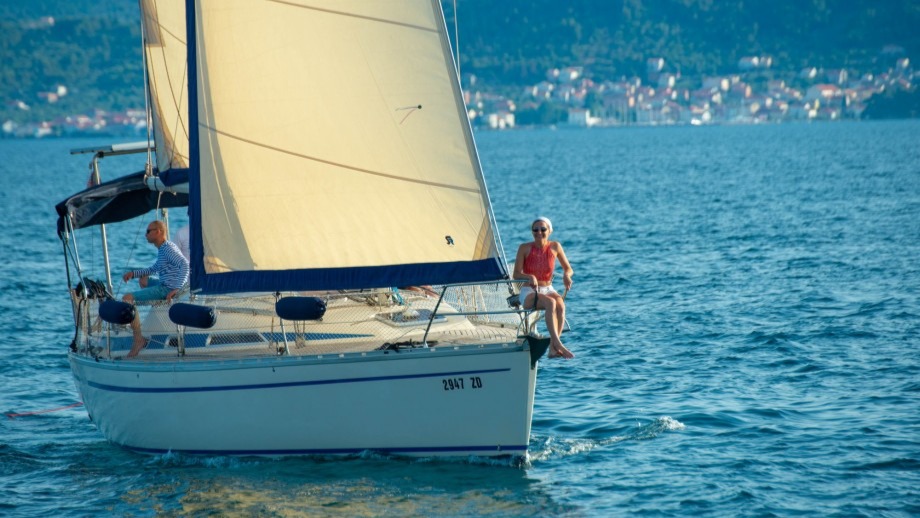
<point x="117" y="312"/>
<point x="191" y="315"/>
<point x="300" y="308"/>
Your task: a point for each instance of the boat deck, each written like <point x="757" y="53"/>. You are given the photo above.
<point x="247" y="326"/>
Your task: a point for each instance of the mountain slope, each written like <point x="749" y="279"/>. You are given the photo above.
<point x="93" y="47"/>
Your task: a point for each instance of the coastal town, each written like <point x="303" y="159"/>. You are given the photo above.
<point x="751" y="95"/>
<point x="754" y="93"/>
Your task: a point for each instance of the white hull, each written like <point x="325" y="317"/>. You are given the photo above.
<point x="468" y="400"/>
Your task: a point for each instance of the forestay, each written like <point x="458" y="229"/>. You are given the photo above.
<point x="333" y="149"/>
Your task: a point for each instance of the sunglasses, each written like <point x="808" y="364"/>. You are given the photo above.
<point x="149" y="230"/>
<point x="538" y="229"/>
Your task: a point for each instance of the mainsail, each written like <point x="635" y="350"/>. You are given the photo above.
<point x="167" y="77"/>
<point x="330" y="149"/>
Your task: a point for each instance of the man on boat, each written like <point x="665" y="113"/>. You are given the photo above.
<point x="171" y="267"/>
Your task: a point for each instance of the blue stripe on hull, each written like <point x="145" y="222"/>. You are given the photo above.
<point x="342" y="451"/>
<point x="163" y="390"/>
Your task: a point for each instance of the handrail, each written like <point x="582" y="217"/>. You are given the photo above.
<point x="434" y="312"/>
<point x="486" y="283"/>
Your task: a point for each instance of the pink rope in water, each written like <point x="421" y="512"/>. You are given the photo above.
<point x="14" y="416"/>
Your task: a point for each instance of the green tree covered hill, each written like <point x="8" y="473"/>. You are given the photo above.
<point x="93" y="47"/>
<point x="97" y="59"/>
<point x="518" y="41"/>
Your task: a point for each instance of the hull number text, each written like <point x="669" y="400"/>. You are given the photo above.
<point x="474" y="382"/>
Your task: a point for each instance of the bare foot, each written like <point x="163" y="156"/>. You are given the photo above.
<point x="137" y="348"/>
<point x="560" y="351"/>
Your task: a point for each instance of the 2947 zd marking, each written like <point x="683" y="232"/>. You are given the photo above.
<point x="474" y="382"/>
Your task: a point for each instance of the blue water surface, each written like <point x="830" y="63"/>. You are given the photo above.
<point x="745" y="315"/>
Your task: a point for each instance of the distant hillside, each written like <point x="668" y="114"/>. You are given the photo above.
<point x="517" y="41"/>
<point x="93" y="47"/>
<point x="97" y="59"/>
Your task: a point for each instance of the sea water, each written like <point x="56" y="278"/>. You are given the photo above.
<point x="745" y="315"/>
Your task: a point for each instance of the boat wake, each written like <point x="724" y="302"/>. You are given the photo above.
<point x="656" y="428"/>
<point x="541" y="448"/>
<point x="551" y="447"/>
<point x="172" y="459"/>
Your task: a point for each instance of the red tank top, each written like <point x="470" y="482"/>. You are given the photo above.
<point x="540" y="263"/>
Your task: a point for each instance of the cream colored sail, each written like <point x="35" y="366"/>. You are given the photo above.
<point x="333" y="139"/>
<point x="167" y="76"/>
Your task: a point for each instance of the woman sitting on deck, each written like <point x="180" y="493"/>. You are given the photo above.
<point x="535" y="263"/>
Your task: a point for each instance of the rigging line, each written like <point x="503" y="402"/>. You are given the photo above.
<point x="162" y="28"/>
<point x="177" y="103"/>
<point x="457" y="38"/>
<point x="352" y="15"/>
<point x="178" y="124"/>
<point x="179" y="121"/>
<point x="149" y="167"/>
<point x="169" y="138"/>
<point x="167" y="31"/>
<point x="130" y="258"/>
<point x="337" y="164"/>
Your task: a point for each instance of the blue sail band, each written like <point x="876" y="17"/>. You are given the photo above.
<point x="351" y="278"/>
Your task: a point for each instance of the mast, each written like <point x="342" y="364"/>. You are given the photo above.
<point x="196" y="261"/>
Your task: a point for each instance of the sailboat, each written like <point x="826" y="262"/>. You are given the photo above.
<point x="348" y="289"/>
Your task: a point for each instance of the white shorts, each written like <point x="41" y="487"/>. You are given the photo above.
<point x="527" y="290"/>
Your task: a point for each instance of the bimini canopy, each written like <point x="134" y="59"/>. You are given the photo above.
<point x="113" y="201"/>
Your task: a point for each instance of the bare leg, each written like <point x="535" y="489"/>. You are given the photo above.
<point x="560" y="313"/>
<point x="553" y="325"/>
<point x="139" y="340"/>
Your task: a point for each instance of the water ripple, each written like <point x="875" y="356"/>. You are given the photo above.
<point x="745" y="315"/>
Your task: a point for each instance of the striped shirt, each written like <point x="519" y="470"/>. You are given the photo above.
<point x="170" y="266"/>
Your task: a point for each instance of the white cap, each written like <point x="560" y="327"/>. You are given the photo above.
<point x="544" y="219"/>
